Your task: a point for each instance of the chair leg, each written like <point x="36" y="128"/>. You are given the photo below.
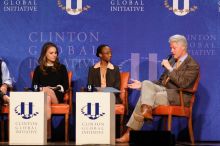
<point x="66" y="127"/>
<point x="190" y="128"/>
<point x="169" y="122"/>
<point x="165" y="123"/>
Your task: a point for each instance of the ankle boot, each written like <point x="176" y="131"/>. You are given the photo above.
<point x="146" y="111"/>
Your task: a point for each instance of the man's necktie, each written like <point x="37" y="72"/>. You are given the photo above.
<point x="176" y="66"/>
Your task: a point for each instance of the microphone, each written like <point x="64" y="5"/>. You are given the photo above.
<point x="168" y="58"/>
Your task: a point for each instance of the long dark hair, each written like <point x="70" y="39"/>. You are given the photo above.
<point x="43" y="60"/>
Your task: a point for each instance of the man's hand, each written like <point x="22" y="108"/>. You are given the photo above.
<point x="3" y="88"/>
<point x="166" y="64"/>
<point x="135" y="85"/>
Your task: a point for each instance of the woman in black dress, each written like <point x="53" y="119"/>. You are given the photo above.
<point x="51" y="76"/>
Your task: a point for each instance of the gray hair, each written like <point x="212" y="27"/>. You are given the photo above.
<point x="179" y="38"/>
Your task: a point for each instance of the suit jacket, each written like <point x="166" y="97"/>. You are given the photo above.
<point x="112" y="79"/>
<point x="183" y="77"/>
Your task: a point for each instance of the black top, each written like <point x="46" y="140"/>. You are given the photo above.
<point x="112" y="79"/>
<point x="52" y="78"/>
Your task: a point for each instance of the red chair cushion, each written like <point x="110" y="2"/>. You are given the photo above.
<point x="60" y="108"/>
<point x="5" y="109"/>
<point x="171" y="110"/>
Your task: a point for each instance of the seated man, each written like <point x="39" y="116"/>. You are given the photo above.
<point x="181" y="71"/>
<point x="5" y="82"/>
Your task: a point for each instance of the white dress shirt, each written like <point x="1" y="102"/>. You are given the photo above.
<point x="6" y="79"/>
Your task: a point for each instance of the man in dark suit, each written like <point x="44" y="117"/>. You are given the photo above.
<point x="181" y="71"/>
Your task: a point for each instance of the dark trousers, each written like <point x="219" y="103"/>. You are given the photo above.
<point x="117" y="126"/>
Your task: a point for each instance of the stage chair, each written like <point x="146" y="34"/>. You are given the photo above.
<point x="64" y="108"/>
<point x="179" y="111"/>
<point x="122" y="109"/>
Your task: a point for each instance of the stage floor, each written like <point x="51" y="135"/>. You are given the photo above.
<point x="127" y="144"/>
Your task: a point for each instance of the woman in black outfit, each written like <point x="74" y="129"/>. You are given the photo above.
<point x="105" y="74"/>
<point x="50" y="74"/>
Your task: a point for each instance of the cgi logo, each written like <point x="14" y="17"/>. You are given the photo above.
<point x="186" y="9"/>
<point x="25" y="110"/>
<point x="68" y="8"/>
<point x="92" y="111"/>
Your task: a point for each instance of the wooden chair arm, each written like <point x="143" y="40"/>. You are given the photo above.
<point x="68" y="91"/>
<point x="181" y="98"/>
<point x="181" y="91"/>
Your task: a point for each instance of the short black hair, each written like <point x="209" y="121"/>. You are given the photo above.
<point x="99" y="49"/>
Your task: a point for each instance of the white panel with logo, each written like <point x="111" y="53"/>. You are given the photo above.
<point x="28" y="118"/>
<point x="95" y="118"/>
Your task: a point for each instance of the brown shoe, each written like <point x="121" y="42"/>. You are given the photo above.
<point x="146" y="111"/>
<point x="125" y="138"/>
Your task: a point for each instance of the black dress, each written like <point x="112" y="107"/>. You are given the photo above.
<point x="52" y="78"/>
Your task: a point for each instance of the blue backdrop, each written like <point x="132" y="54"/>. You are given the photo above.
<point x="137" y="31"/>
